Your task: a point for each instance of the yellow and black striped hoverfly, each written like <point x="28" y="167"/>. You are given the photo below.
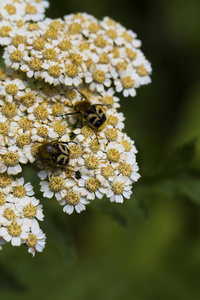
<point x="55" y="153"/>
<point x="91" y="114"/>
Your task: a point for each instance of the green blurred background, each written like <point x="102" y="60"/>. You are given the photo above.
<point x="149" y="247"/>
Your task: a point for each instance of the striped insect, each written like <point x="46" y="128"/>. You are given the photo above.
<point x="91" y="114"/>
<point x="55" y="153"/>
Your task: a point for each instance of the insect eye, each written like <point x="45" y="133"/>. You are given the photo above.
<point x="49" y="149"/>
<point x="98" y="123"/>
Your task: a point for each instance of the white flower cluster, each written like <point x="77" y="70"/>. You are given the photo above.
<point x="59" y="109"/>
<point x="19" y="214"/>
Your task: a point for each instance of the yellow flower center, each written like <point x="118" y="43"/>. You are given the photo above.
<point x="100" y="42"/>
<point x="9" y="110"/>
<point x="10" y="9"/>
<point x="19" y="191"/>
<point x="72" y="197"/>
<point x="71" y="70"/>
<point x="35" y="64"/>
<point x="9" y="214"/>
<point x="118" y="188"/>
<point x="5" y="30"/>
<point x="30" y="9"/>
<point x="30" y="211"/>
<point x="22" y="140"/>
<point x="11" y="158"/>
<point x="14" y="229"/>
<point x="55" y="71"/>
<point x="31" y="241"/>
<point x="16" y="55"/>
<point x="92" y="184"/>
<point x="91" y="162"/>
<point x="56" y="184"/>
<point x="5" y="180"/>
<point x="99" y="76"/>
<point x="12" y="89"/>
<point x="127" y="82"/>
<point x="113" y="155"/>
<point x="142" y="71"/>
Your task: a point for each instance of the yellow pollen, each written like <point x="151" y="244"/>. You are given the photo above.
<point x="112" y="120"/>
<point x="113" y="155"/>
<point x="31" y="241"/>
<point x="75" y="28"/>
<point x="9" y="110"/>
<point x="70" y="94"/>
<point x="1" y="18"/>
<point x="131" y="54"/>
<point x="65" y="45"/>
<point x="89" y="62"/>
<point x="92" y="184"/>
<point x="20" y="23"/>
<point x="56" y="184"/>
<point x="94" y="145"/>
<point x="11" y="158"/>
<point x="25" y="123"/>
<point x="118" y="188"/>
<point x="127" y="37"/>
<point x="29" y="99"/>
<point x="4" y="128"/>
<point x="91" y="162"/>
<point x="30" y="9"/>
<point x="57" y="109"/>
<point x="39" y="44"/>
<point x="59" y="128"/>
<point x="5" y="180"/>
<point x="100" y="42"/>
<point x="111" y="33"/>
<point x="10" y="9"/>
<point x="111" y="134"/>
<point x="41" y="113"/>
<point x="72" y="197"/>
<point x="75" y="151"/>
<point x="18" y="39"/>
<point x="42" y="131"/>
<point x="127" y="145"/>
<point x="107" y="172"/>
<point x="142" y="71"/>
<point x="87" y="131"/>
<point x="2" y="198"/>
<point x="115" y="52"/>
<point x="33" y="26"/>
<point x="14" y="229"/>
<point x="121" y="66"/>
<point x="71" y="70"/>
<point x="56" y="24"/>
<point x="5" y="30"/>
<point x="9" y="214"/>
<point x="127" y="82"/>
<point x="104" y="58"/>
<point x="108" y="100"/>
<point x="19" y="191"/>
<point x="125" y="169"/>
<point x="55" y="71"/>
<point x="93" y="27"/>
<point x="49" y="90"/>
<point x="30" y="211"/>
<point x="12" y="89"/>
<point x="22" y="140"/>
<point x="16" y="55"/>
<point x="99" y="76"/>
<point x="2" y="74"/>
<point x="35" y="64"/>
<point x="76" y="59"/>
<point x="50" y="53"/>
<point x="110" y="22"/>
<point x="51" y="33"/>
